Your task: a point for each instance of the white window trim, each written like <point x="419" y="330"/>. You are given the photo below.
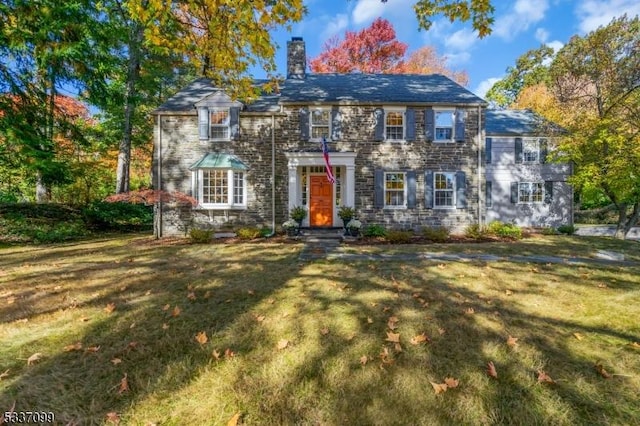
<point x="384" y="182"/>
<point x="524" y="143"/>
<point x="454" y="189"/>
<point x="453" y="125"/>
<point x="311" y="126"/>
<point x="403" y="111"/>
<point x="227" y="126"/>
<point x="197" y="182"/>
<point x="531" y="193"/>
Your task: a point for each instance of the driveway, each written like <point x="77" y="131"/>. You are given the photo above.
<point x="606" y="231"/>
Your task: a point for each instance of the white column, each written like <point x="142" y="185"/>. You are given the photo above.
<point x="293" y="185"/>
<point x="350" y="186"/>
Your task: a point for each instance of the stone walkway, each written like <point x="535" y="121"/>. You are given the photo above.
<point x="331" y="250"/>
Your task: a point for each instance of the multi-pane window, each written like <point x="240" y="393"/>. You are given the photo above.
<point x="394" y="125"/>
<point x="444" y="185"/>
<point x="219" y="123"/>
<point x="530" y="192"/>
<point x="530" y="150"/>
<point x="222" y="188"/>
<point x="444" y="125"/>
<point x="319" y="122"/>
<point x="394" y="189"/>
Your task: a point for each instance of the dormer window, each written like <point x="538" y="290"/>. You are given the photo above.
<point x="319" y="123"/>
<point x="219" y="122"/>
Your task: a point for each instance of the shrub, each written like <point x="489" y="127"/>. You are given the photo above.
<point x="118" y="216"/>
<point x="248" y="233"/>
<point x="505" y="230"/>
<point x="475" y="231"/>
<point x="398" y="237"/>
<point x="438" y="234"/>
<point x="374" y="231"/>
<point x="200" y="236"/>
<point x="549" y="231"/>
<point x="567" y="229"/>
<point x="59" y="232"/>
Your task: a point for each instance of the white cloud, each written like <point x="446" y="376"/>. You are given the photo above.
<point x="595" y="13"/>
<point x="459" y="58"/>
<point x="461" y="40"/>
<point x="556" y="45"/>
<point x="520" y="18"/>
<point x="484" y="86"/>
<point x="367" y="10"/>
<point x="542" y="35"/>
<point x="334" y="25"/>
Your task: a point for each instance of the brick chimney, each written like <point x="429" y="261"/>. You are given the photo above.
<point x="296" y="58"/>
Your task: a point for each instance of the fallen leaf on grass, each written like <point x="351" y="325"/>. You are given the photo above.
<point x="512" y="341"/>
<point x="364" y="359"/>
<point x="166" y="307"/>
<point x="75" y="347"/>
<point x="124" y="385"/>
<point x="470" y="311"/>
<point x="392" y="323"/>
<point x="233" y="421"/>
<point x="202" y="338"/>
<point x="451" y="382"/>
<point x="602" y="285"/>
<point x="228" y="353"/>
<point x="113" y="417"/>
<point x="544" y="377"/>
<point x="5" y="374"/>
<point x="260" y="318"/>
<point x="191" y="296"/>
<point x="600" y="369"/>
<point x="491" y="370"/>
<point x="110" y="307"/>
<point x="92" y="349"/>
<point x="165" y="326"/>
<point x="635" y="345"/>
<point x="441" y="331"/>
<point x="216" y="354"/>
<point x="420" y="338"/>
<point x="176" y="311"/>
<point x="324" y="331"/>
<point x="578" y="336"/>
<point x="34" y="358"/>
<point x="116" y="361"/>
<point x="282" y="344"/>
<point x="508" y="292"/>
<point x="393" y="337"/>
<point x="369" y="320"/>
<point x="439" y="387"/>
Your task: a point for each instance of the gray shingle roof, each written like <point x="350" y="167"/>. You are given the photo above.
<point x="335" y="88"/>
<point x="517" y="122"/>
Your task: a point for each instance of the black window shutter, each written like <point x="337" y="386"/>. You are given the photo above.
<point x="461" y="193"/>
<point x="487" y="149"/>
<point x="543" y="151"/>
<point x="428" y="189"/>
<point x="429" y="124"/>
<point x="518" y="150"/>
<point x="488" y="200"/>
<point x="460" y="121"/>
<point x="379" y="131"/>
<point x="411" y="189"/>
<point x="234" y="122"/>
<point x="379" y="188"/>
<point x="548" y="191"/>
<point x="203" y="123"/>
<point x="336" y="124"/>
<point x="410" y="125"/>
<point x="304" y="124"/>
<point x="514" y="192"/>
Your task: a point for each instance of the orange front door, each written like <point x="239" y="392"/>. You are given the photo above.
<point x="320" y="201"/>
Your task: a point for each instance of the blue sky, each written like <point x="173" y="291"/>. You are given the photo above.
<point x="519" y="26"/>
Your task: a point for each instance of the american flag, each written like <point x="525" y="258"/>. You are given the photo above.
<point x="325" y="153"/>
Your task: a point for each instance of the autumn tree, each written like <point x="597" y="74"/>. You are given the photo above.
<point x="374" y="50"/>
<point x="425" y="60"/>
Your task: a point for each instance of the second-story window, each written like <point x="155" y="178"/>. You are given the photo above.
<point x="219" y="123"/>
<point x="530" y="151"/>
<point x="394" y="125"/>
<point x="319" y="122"/>
<point x="444" y="120"/>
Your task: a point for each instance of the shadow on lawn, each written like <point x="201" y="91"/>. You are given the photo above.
<point x="320" y="378"/>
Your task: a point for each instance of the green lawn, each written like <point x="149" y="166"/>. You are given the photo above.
<point x="116" y="324"/>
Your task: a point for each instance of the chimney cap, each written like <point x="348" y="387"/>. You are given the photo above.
<point x="296" y="38"/>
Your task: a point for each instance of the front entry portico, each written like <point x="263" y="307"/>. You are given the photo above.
<point x="309" y="186"/>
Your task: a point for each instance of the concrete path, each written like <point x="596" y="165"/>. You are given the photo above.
<point x="605" y="231"/>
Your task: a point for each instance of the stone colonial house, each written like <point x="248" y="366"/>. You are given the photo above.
<point x="407" y="151"/>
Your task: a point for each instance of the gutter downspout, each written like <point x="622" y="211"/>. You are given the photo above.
<point x="273" y="176"/>
<point x="480" y="167"/>
<point x="159" y="189"/>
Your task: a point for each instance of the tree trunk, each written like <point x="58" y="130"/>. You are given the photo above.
<point x="625" y="223"/>
<point x="133" y="75"/>
<point x="43" y="194"/>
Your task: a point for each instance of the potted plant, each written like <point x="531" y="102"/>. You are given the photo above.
<point x="291" y="227"/>
<point x="298" y="213"/>
<point x="353" y="227"/>
<point x="346" y="213"/>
